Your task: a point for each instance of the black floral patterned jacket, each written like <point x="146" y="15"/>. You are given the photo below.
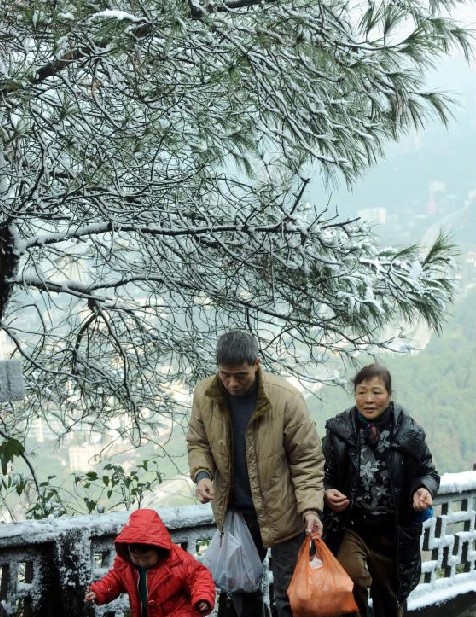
<point x="410" y="467"/>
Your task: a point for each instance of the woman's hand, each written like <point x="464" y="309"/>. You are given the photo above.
<point x="336" y="500"/>
<point x="90" y="596"/>
<point x="422" y="499"/>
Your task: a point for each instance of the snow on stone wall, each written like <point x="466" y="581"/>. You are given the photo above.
<point x="80" y="549"/>
<point x="449" y="543"/>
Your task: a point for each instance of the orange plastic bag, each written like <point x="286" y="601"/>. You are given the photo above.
<point x="320" y="587"/>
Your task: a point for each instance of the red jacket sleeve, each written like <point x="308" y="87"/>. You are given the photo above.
<point x="111" y="584"/>
<point x="199" y="581"/>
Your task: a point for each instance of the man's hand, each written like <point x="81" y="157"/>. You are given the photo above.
<point x="205" y="491"/>
<point x="313" y="524"/>
<point x="336" y="500"/>
<point x="422" y="499"/>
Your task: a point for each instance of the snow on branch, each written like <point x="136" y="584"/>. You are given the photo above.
<point x="153" y="195"/>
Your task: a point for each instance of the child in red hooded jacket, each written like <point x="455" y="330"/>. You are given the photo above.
<point x="160" y="578"/>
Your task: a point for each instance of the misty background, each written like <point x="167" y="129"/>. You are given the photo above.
<point x="427" y="183"/>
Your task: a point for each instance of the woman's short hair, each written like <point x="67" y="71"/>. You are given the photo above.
<point x="374" y="370"/>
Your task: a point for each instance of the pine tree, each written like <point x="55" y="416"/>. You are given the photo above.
<point x="154" y="162"/>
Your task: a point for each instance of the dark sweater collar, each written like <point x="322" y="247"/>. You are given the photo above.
<point x="248" y="396"/>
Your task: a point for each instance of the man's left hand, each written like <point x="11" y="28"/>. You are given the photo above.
<point x="313" y="524"/>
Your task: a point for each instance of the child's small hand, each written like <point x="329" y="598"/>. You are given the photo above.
<point x="90" y="596"/>
<point x="203" y="607"/>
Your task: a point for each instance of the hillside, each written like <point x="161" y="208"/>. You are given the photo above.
<point x="436" y="386"/>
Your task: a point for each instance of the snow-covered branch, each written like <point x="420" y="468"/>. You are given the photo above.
<point x="152" y="193"/>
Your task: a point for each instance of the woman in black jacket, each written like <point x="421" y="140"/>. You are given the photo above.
<point x="379" y="486"/>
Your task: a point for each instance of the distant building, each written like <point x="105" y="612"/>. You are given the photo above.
<point x="373" y="215"/>
<point x="6" y="346"/>
<point x="431" y="205"/>
<point x="41" y="430"/>
<point x="471" y="258"/>
<point x="82" y="458"/>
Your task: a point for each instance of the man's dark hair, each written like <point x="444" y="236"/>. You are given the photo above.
<point x="371" y="371"/>
<point x="235" y="347"/>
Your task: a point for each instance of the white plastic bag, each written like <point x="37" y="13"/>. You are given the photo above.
<point x="232" y="557"/>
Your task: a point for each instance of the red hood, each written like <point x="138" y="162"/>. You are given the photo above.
<point x="144" y="527"/>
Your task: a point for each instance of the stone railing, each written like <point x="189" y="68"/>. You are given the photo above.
<point x="449" y="544"/>
<point x="46" y="566"/>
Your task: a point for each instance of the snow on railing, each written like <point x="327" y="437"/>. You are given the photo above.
<point x="449" y="543"/>
<point x="47" y="565"/>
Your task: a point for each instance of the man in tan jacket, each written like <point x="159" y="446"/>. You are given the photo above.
<point x="253" y="448"/>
